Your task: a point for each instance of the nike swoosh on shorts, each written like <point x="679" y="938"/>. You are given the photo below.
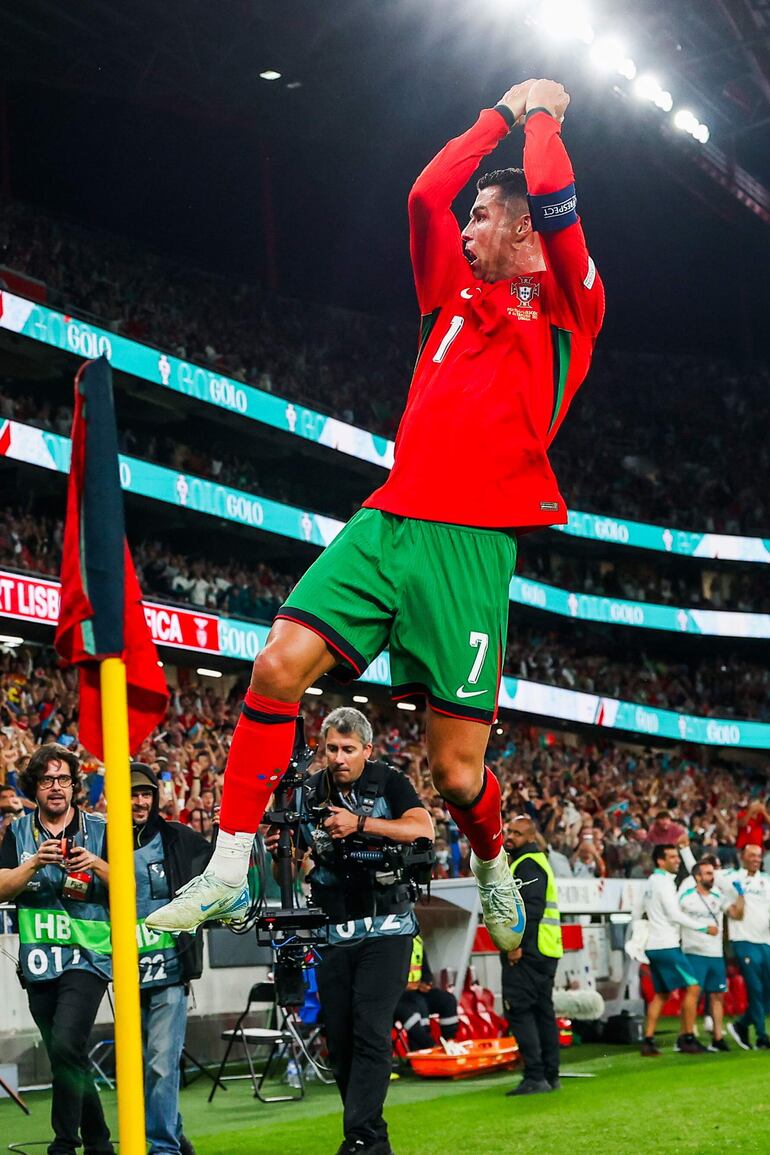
<point x="461" y="692"/>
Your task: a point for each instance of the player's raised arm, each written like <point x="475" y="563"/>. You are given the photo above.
<point x="436" y="247"/>
<point x="553" y="207"/>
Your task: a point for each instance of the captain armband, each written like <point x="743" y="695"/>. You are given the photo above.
<point x="553" y="211"/>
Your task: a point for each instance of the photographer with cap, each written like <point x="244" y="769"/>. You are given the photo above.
<point x="53" y="865"/>
<point x="166" y="856"/>
<point x="364" y="967"/>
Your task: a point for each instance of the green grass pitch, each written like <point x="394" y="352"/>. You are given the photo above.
<point x="677" y="1103"/>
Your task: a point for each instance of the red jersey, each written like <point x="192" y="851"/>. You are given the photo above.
<point x="499" y="363"/>
<point x="752" y="833"/>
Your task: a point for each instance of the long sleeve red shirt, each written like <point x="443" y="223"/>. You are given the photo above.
<point x="499" y="363"/>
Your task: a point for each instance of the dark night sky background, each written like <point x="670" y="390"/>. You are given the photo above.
<point x="163" y="132"/>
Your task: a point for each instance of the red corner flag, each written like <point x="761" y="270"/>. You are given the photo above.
<point x="101" y="612"/>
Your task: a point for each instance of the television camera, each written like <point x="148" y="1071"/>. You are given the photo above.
<point x="295" y="932"/>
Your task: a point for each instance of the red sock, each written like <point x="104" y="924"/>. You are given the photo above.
<point x="482" y="821"/>
<point x="259" y="754"/>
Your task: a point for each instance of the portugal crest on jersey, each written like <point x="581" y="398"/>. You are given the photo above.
<point x="526" y="289"/>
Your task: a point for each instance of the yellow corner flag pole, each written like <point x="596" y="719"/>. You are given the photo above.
<point x="125" y="954"/>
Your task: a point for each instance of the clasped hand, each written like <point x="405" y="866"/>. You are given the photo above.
<point x="548" y="94"/>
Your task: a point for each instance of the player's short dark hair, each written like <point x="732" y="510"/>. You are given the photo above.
<point x="28" y="778"/>
<point x="511" y="182"/>
<point x="659" y="851"/>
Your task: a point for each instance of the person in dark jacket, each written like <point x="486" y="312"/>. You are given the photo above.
<point x="166" y="856"/>
<point x="529" y="971"/>
<point x="421" y="999"/>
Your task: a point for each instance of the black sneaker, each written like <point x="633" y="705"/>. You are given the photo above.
<point x="648" y="1050"/>
<point x="555" y="1084"/>
<point x="185" y="1146"/>
<point x="762" y="1043"/>
<point x="530" y="1087"/>
<point x="741" y="1035"/>
<point x="689" y="1045"/>
<point x="359" y="1147"/>
<point x="718" y="1045"/>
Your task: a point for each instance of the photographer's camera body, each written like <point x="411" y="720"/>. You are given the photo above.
<point x="365" y="884"/>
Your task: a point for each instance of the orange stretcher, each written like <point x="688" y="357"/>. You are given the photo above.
<point x="472" y="1057"/>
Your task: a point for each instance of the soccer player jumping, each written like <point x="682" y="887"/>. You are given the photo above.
<point x="511" y="307"/>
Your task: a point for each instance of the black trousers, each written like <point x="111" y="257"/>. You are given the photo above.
<point x="359" y="984"/>
<point x="64" y="1010"/>
<point x="414" y="1009"/>
<point x="528" y="1000"/>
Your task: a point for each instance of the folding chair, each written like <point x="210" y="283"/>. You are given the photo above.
<point x="103" y="1049"/>
<point x="277" y="1041"/>
<point x="101" y="1052"/>
<point x="309" y="1041"/>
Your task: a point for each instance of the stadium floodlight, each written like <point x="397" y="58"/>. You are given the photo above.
<point x="10" y="640"/>
<point x="499" y="730"/>
<point x="564" y="20"/>
<point x="609" y="55"/>
<point x="361" y="699"/>
<point x="685" y="120"/>
<point x="208" y="673"/>
<point x="627" y="68"/>
<point x="647" y="87"/>
<point x="269" y="74"/>
<point x="406" y="705"/>
<point x="314" y="690"/>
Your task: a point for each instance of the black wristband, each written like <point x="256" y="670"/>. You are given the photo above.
<point x="539" y="108"/>
<point x="506" y="114"/>
<point x="361" y="823"/>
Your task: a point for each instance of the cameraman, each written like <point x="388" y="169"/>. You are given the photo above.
<point x="365" y="966"/>
<point x="52" y="863"/>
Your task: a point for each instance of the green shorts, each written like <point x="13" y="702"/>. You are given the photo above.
<point x="670" y="970"/>
<point x="710" y="973"/>
<point x="435" y="594"/>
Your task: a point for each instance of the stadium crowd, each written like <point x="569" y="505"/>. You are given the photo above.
<point x="725" y="686"/>
<point x="33" y="543"/>
<point x="358" y="368"/>
<point x="736" y="588"/>
<point x="313" y="355"/>
<point x="597" y="805"/>
<point x="216" y="461"/>
<point x="210" y="459"/>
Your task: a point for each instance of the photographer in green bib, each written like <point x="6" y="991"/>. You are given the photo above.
<point x="166" y="856"/>
<point x="53" y="866"/>
<point x="529" y="971"/>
